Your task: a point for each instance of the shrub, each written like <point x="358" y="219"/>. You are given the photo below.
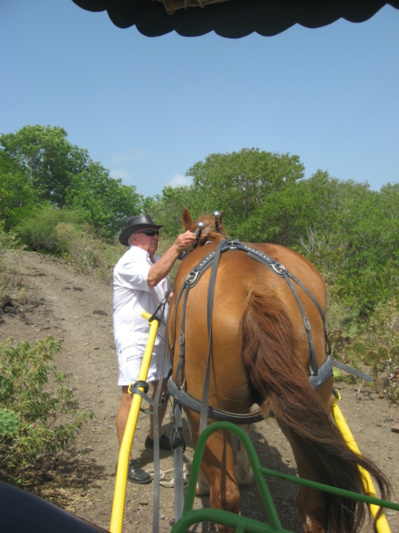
<point x="38" y="414"/>
<point x="79" y="246"/>
<point x="38" y="232"/>
<point x="8" y="240"/>
<point x="9" y="281"/>
<point x="377" y="345"/>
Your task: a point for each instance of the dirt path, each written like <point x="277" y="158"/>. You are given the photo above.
<point x="76" y="308"/>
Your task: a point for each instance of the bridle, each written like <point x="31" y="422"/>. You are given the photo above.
<point x="217" y="215"/>
<point x="198" y="231"/>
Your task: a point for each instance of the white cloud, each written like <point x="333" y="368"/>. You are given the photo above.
<point x="132" y="156"/>
<point x="179" y="180"/>
<point x="120" y="173"/>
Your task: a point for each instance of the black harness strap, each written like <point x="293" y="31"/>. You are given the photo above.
<point x="189" y="282"/>
<point x="211" y="291"/>
<point x="282" y="271"/>
<point x="312" y="352"/>
<point x="195" y="405"/>
<point x="353" y="371"/>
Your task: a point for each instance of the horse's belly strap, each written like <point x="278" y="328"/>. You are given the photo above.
<point x="185" y="399"/>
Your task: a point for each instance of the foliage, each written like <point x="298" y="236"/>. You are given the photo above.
<point x="38" y="414"/>
<point x="9" y="282"/>
<point x="86" y="251"/>
<point x="38" y="231"/>
<point x="8" y="240"/>
<point x="16" y="194"/>
<point x="376" y="344"/>
<point x="105" y="203"/>
<point x="47" y="159"/>
<point x="241" y="184"/>
<point x="353" y="238"/>
<point x="167" y="209"/>
<point x="38" y="166"/>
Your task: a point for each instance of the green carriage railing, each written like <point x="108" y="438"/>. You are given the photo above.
<point x="238" y="522"/>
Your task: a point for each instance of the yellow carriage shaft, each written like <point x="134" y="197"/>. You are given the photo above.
<point x="381" y="524"/>
<point x="127" y="441"/>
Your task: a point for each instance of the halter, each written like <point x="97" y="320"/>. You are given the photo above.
<point x="217" y="215"/>
<point x="198" y="231"/>
<point x="317" y="375"/>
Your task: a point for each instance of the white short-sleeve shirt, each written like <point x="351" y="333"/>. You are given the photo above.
<point x="132" y="296"/>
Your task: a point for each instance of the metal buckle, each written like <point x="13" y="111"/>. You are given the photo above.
<point x="192" y="277"/>
<point x="279" y="268"/>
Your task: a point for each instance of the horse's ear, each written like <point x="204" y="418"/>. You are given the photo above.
<point x="186" y="218"/>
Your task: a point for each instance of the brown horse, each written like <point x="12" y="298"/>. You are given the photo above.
<point x="261" y="354"/>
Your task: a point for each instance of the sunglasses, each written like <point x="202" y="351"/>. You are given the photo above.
<point x="150" y="232"/>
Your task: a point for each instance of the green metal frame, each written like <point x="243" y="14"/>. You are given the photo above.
<point x="240" y="523"/>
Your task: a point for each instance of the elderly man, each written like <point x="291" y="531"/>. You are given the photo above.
<point x="140" y="283"/>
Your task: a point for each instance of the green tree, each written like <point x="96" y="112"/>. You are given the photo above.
<point x="352" y="236"/>
<point x="241" y="182"/>
<point x="46" y="158"/>
<point x="105" y="203"/>
<point x="39" y="166"/>
<point x="166" y="209"/>
<point x="17" y="197"/>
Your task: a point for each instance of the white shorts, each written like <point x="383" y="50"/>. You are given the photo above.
<point x="129" y="363"/>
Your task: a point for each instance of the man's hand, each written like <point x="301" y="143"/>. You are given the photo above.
<point x="184" y="241"/>
<point x="162" y="267"/>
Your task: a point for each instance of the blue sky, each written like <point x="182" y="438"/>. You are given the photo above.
<point x="149" y="108"/>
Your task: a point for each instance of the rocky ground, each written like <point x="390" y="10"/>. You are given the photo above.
<point x="76" y="308"/>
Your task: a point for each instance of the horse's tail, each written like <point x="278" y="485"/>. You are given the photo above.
<point x="283" y="389"/>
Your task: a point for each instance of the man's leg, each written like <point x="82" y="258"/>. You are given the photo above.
<point x="123" y="413"/>
<point x="161" y="413"/>
<point x="135" y="473"/>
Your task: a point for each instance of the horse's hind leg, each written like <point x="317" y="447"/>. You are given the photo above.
<point x="218" y="467"/>
<point x="244" y="473"/>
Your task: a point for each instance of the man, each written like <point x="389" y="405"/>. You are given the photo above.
<point x="140" y="283"/>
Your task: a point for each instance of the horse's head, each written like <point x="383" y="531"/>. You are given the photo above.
<point x="206" y="227"/>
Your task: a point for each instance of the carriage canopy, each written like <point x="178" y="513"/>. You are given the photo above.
<point x="231" y="18"/>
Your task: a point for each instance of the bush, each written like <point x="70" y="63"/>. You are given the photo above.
<point x="38" y="414"/>
<point x="377" y="345"/>
<point x="9" y="281"/>
<point x="85" y="251"/>
<point x="38" y="232"/>
<point x="8" y="240"/>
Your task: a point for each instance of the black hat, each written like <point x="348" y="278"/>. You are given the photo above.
<point x="136" y="224"/>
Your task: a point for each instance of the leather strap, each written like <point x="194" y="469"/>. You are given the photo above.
<point x="353" y="371"/>
<point x="211" y="292"/>
<point x="212" y="412"/>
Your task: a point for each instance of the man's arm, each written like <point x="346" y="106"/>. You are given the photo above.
<point x="162" y="267"/>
